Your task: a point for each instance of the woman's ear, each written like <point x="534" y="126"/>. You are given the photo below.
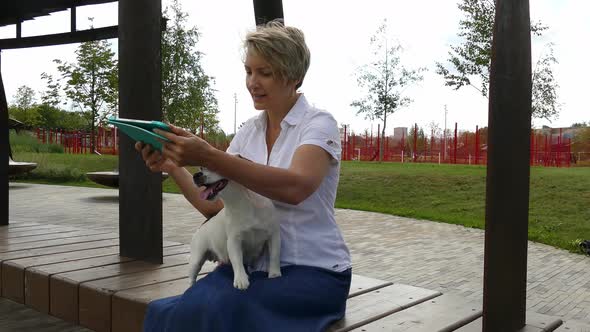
<point x="293" y="84"/>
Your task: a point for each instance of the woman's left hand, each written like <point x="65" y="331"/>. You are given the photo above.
<point x="185" y="149"/>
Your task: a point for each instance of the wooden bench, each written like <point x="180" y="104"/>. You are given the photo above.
<point x="78" y="276"/>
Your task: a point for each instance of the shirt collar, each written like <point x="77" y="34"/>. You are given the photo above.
<point x="292" y="118"/>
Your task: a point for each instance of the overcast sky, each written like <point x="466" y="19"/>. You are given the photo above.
<point x="338" y="33"/>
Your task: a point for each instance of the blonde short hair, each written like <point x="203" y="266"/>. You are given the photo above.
<point x="282" y="47"/>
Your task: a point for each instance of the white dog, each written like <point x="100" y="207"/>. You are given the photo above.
<point x="239" y="233"/>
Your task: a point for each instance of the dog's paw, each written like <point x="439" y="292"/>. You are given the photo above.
<point x="241" y="282"/>
<point x="274" y="273"/>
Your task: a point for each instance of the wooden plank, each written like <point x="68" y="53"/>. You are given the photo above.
<point x="534" y="323"/>
<point x="7" y="229"/>
<point x="46" y="229"/>
<point x="57" y="242"/>
<point x="13" y="271"/>
<point x="129" y="306"/>
<point x="368" y="307"/>
<point x="476" y="326"/>
<point x="444" y="313"/>
<point x="574" y="326"/>
<point x="51" y="251"/>
<point x="361" y="285"/>
<point x="67" y="284"/>
<point x="95" y="296"/>
<point x="44" y="237"/>
<point x="37" y="277"/>
<point x="19" y="224"/>
<point x="15" y="317"/>
<point x="37" y="281"/>
<point x="543" y="322"/>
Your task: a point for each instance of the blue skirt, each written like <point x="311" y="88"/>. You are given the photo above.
<point x="303" y="299"/>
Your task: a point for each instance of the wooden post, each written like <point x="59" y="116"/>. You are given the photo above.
<point x="267" y="10"/>
<point x="73" y="19"/>
<point x="507" y="187"/>
<point x="4" y="146"/>
<point x="140" y="191"/>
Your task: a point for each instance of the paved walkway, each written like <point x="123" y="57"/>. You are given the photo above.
<point x="432" y="255"/>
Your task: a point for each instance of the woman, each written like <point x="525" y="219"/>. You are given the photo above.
<point x="289" y="153"/>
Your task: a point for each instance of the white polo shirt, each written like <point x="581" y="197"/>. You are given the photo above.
<point x="309" y="233"/>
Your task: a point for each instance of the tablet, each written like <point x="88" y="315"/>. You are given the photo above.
<point x="147" y="125"/>
<point x="140" y="134"/>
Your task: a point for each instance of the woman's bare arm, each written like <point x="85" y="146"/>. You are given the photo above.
<point x="308" y="168"/>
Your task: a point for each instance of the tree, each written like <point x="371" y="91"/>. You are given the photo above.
<point x="545" y="103"/>
<point x="51" y="96"/>
<point x="188" y="98"/>
<point x="92" y="81"/>
<point x="23" y="107"/>
<point x="49" y="116"/>
<point x="581" y="141"/>
<point x="471" y="60"/>
<point x="385" y="80"/>
<point x="420" y="137"/>
<point x="29" y="116"/>
<point x="24" y="98"/>
<point x="72" y="120"/>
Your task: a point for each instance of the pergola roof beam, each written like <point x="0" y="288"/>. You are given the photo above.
<point x="22" y="10"/>
<point x="60" y="38"/>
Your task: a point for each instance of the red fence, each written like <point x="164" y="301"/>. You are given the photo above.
<point x="456" y="148"/>
<point x="106" y="140"/>
<point x="78" y="142"/>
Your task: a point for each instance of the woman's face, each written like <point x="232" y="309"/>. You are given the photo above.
<point x="267" y="90"/>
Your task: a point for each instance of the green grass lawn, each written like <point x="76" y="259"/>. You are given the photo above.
<point x="559" y="211"/>
<point x="559" y="200"/>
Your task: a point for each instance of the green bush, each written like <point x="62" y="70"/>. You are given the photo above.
<point x="26" y="142"/>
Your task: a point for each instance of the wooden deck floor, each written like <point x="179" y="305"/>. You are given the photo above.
<point x="78" y="276"/>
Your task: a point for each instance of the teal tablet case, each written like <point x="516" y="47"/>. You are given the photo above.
<point x="142" y="131"/>
<point x="147" y="125"/>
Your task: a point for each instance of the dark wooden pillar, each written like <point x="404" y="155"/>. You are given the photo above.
<point x="507" y="188"/>
<point x="4" y="146"/>
<point x="140" y="191"/>
<point x="267" y="10"/>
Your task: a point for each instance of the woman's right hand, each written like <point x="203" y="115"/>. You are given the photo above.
<point x="154" y="159"/>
